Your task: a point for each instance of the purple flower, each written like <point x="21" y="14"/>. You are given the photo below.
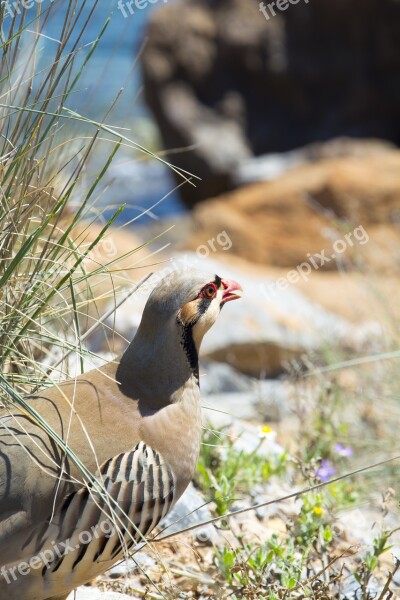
<point x="344" y="451"/>
<point x="326" y="471"/>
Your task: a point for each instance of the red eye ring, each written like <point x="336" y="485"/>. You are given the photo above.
<point x="208" y="291"/>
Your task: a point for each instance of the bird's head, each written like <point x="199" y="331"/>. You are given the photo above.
<point x="190" y="301"/>
<point x="201" y="305"/>
<point x="193" y="299"/>
<point x="179" y="311"/>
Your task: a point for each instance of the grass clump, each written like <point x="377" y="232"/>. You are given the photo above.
<point x="45" y="282"/>
<point x="52" y="251"/>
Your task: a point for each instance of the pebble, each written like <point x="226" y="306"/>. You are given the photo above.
<point x="141" y="561"/>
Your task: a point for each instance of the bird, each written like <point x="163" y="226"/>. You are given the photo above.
<point x="135" y="423"/>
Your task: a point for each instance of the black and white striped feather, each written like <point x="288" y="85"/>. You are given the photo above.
<point x="85" y="534"/>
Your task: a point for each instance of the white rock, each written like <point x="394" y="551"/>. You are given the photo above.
<point x="91" y="593"/>
<point x="249" y="438"/>
<point x="220" y="378"/>
<point x="224" y="409"/>
<point x="267" y="167"/>
<point x="139" y="563"/>
<point x="267" y="401"/>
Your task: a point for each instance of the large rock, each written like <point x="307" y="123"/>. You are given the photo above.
<point x="284" y="221"/>
<point x="270" y="166"/>
<point x="267" y="400"/>
<point x="225" y="83"/>
<point x="271" y="325"/>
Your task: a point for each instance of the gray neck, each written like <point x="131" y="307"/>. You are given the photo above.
<point x="158" y="365"/>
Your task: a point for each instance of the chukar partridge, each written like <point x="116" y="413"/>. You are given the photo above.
<point x="134" y="422"/>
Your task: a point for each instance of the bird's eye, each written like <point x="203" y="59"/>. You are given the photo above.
<point x="208" y="291"/>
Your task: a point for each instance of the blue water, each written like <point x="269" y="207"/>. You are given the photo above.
<point x="115" y="65"/>
<point x="112" y="66"/>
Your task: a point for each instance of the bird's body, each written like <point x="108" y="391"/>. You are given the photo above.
<point x="135" y="422"/>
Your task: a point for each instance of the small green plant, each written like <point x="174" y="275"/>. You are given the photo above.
<point x="321" y="436"/>
<point x="279" y="566"/>
<point x="370" y="562"/>
<point x="312" y="525"/>
<point x="262" y="571"/>
<point x="224" y="473"/>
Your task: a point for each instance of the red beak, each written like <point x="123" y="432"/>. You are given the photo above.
<point x="233" y="290"/>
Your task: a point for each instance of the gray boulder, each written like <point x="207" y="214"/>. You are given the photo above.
<point x="191" y="509"/>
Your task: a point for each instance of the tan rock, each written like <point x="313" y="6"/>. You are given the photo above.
<point x="303" y="212"/>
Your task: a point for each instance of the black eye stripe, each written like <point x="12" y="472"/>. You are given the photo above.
<point x="217" y="281"/>
<point x="202" y="306"/>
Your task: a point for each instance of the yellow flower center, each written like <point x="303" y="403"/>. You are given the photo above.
<point x="266" y="429"/>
